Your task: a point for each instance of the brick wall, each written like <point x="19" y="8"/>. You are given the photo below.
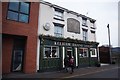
<point x="7" y="44"/>
<point x="23" y="29"/>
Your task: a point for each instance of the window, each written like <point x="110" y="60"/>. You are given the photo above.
<point x="93" y="35"/>
<point x="51" y="52"/>
<point x="93" y="52"/>
<point x="84" y="22"/>
<point x="92" y="22"/>
<point x="73" y="25"/>
<point x="85" y="35"/>
<point x="69" y="51"/>
<point x="18" y="11"/>
<point x="58" y="30"/>
<point x="58" y="13"/>
<point x="83" y="52"/>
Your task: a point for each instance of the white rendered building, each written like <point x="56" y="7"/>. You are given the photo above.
<point x="64" y="32"/>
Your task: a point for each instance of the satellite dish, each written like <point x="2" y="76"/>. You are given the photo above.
<point x="47" y="26"/>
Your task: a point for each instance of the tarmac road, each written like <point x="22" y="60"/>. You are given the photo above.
<point x="107" y="71"/>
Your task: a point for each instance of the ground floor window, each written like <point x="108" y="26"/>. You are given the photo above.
<point x="83" y="52"/>
<point x="93" y="52"/>
<point x="69" y="51"/>
<point x="51" y="52"/>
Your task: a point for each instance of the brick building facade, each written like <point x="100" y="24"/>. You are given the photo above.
<point x="19" y="36"/>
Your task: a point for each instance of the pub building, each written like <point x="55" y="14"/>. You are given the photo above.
<point x="64" y="32"/>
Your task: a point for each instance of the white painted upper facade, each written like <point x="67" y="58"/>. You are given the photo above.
<point x="46" y="15"/>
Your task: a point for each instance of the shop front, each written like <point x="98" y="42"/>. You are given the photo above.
<point x="53" y="51"/>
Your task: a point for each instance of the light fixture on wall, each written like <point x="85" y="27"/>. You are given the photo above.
<point x="46" y="26"/>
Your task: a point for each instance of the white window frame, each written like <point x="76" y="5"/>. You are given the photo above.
<point x="83" y="56"/>
<point x="91" y="52"/>
<point x="93" y="34"/>
<point x="92" y="24"/>
<point x="57" y="33"/>
<point x="58" y="14"/>
<point x="84" y="22"/>
<point x="51" y="49"/>
<point x="85" y="35"/>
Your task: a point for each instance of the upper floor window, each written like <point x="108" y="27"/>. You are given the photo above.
<point x="93" y="35"/>
<point x="58" y="14"/>
<point x="85" y="35"/>
<point x="92" y="22"/>
<point x="73" y="25"/>
<point x="93" y="32"/>
<point x="58" y="30"/>
<point x="18" y="11"/>
<point x="84" y="22"/>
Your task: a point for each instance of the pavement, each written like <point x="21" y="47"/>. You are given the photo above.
<point x="62" y="74"/>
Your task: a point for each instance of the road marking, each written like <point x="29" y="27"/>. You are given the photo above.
<point x="90" y="72"/>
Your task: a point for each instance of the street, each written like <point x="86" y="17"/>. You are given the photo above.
<point x="107" y="73"/>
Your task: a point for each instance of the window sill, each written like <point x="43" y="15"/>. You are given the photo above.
<point x="84" y="25"/>
<point x="50" y="58"/>
<point x="83" y="57"/>
<point x="17" y="21"/>
<point x="73" y="32"/>
<point x="58" y="19"/>
<point x="92" y="27"/>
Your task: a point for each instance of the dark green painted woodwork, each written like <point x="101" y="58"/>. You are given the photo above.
<point x="87" y="61"/>
<point x="74" y="54"/>
<point x="60" y="55"/>
<point x="83" y="61"/>
<point x="68" y="40"/>
<point x="47" y="64"/>
<point x="93" y="61"/>
<point x="48" y="41"/>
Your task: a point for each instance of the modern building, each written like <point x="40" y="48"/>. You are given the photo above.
<point x="19" y="36"/>
<point x="61" y="32"/>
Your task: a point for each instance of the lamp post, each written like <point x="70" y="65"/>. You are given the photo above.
<point x="109" y="43"/>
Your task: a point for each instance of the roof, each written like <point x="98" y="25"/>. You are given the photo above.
<point x="69" y="11"/>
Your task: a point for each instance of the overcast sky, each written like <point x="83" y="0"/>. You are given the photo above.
<point x="104" y="11"/>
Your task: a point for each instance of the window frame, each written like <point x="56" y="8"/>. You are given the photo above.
<point x="85" y="34"/>
<point x="57" y="16"/>
<point x="93" y="33"/>
<point x="18" y="12"/>
<point x="51" y="49"/>
<point x="91" y="54"/>
<point x="59" y="26"/>
<point x="83" y="49"/>
<point x="57" y="33"/>
<point x="84" y="22"/>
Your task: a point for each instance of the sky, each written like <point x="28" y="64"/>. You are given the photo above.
<point x="103" y="11"/>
